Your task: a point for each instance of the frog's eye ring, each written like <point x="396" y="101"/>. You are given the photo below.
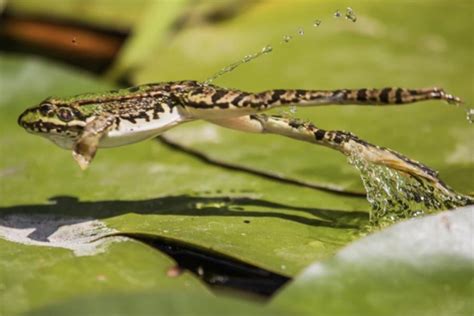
<point x="65" y="114"/>
<point x="45" y="109"/>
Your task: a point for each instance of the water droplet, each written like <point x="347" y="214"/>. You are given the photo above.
<point x="247" y="58"/>
<point x="317" y="23"/>
<point x="394" y="195"/>
<point x="287" y="38"/>
<point x="350" y="15"/>
<point x="200" y="271"/>
<point x="470" y="115"/>
<point x="293" y="109"/>
<point x="301" y="31"/>
<point x="418" y="213"/>
<point x="337" y="14"/>
<point x="267" y="49"/>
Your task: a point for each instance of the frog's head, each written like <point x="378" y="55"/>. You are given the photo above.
<point x="56" y="120"/>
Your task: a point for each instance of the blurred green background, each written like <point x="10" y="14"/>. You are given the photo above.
<point x="47" y="49"/>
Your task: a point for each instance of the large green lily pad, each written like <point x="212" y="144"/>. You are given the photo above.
<point x="148" y="189"/>
<point x="32" y="276"/>
<point x="419" y="267"/>
<point x="156" y="303"/>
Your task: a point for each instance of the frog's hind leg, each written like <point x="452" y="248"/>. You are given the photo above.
<point x="212" y="102"/>
<point x="344" y="142"/>
<point x="384" y="96"/>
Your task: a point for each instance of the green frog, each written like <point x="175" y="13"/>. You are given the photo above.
<point x="86" y="122"/>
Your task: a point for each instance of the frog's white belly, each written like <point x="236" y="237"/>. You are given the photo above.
<point x="128" y="132"/>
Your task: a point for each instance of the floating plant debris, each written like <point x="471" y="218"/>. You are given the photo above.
<point x="265" y="50"/>
<point x="395" y="195"/>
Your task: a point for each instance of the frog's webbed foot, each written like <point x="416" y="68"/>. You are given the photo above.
<point x="438" y="93"/>
<point x="84" y="151"/>
<point x="85" y="147"/>
<point x="392" y="159"/>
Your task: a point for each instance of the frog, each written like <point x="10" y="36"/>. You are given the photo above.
<point x="86" y="122"/>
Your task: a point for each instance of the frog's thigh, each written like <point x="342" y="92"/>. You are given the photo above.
<point x="245" y="123"/>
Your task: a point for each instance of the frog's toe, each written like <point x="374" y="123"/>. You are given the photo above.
<point x="83" y="161"/>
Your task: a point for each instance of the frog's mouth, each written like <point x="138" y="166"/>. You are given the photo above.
<point x="63" y="135"/>
<point x="63" y="138"/>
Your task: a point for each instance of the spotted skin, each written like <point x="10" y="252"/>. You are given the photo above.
<point x="147" y="102"/>
<point x="86" y="122"/>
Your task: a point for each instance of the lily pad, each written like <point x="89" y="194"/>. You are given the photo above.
<point x="418" y="267"/>
<point x="156" y="303"/>
<point x="33" y="276"/>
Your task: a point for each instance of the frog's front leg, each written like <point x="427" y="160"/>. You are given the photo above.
<point x="85" y="147"/>
<point x="345" y="142"/>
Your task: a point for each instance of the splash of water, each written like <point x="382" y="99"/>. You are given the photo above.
<point x="265" y="50"/>
<point x="395" y="195"/>
<point x="349" y="14"/>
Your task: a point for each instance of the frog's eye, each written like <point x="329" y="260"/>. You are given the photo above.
<point x="45" y="109"/>
<point x="65" y="114"/>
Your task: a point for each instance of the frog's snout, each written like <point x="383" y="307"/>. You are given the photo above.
<point x="27" y="119"/>
<point x="21" y="120"/>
